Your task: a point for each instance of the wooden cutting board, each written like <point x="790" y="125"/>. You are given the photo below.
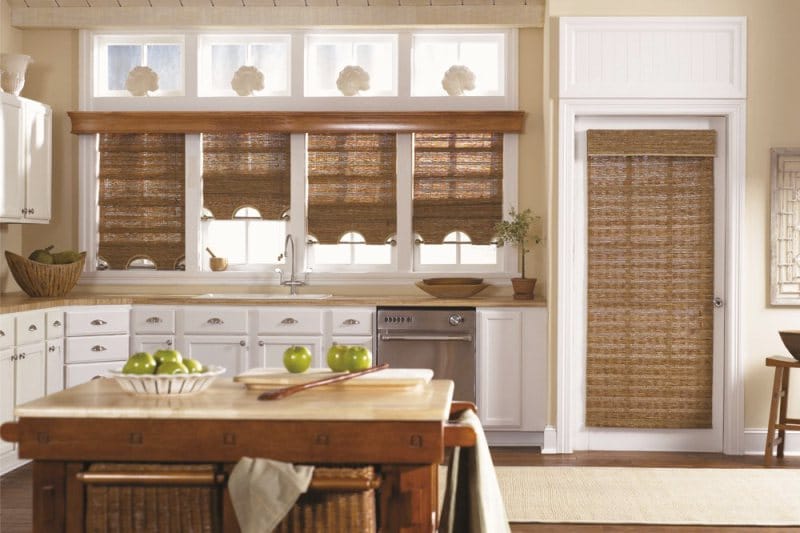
<point x="271" y="378"/>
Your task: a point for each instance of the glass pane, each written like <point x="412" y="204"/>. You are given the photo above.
<point x="226" y="238"/>
<point x="483" y="54"/>
<point x="483" y="60"/>
<point x="324" y="63"/>
<point x="332" y="254"/>
<point x="327" y="55"/>
<point x="475" y="254"/>
<point x="431" y="61"/>
<point x="273" y="61"/>
<point x="165" y="59"/>
<point x="266" y="238"/>
<point x="437" y="254"/>
<point x="225" y="61"/>
<point x="247" y="212"/>
<point x="373" y="254"/>
<point x="121" y="59"/>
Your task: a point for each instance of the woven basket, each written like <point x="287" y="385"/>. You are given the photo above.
<point x="41" y="280"/>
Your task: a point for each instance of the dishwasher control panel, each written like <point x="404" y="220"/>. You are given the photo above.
<point x="426" y="319"/>
<point x="397" y="319"/>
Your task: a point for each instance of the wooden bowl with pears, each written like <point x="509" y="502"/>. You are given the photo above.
<point x="44" y="274"/>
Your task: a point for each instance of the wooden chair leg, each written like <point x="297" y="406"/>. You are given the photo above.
<point x="773" y="413"/>
<point x="782" y="412"/>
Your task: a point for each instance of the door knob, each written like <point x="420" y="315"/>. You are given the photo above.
<point x="717" y="301"/>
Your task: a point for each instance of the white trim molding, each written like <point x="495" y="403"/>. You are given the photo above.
<point x="756" y="438"/>
<point x="653" y="57"/>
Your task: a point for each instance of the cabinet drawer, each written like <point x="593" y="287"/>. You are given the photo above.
<point x="55" y="324"/>
<point x="77" y="374"/>
<point x="98" y="322"/>
<point x="290" y="321"/>
<point x="97" y="348"/>
<point x="352" y="321"/>
<point x="214" y="320"/>
<point x="30" y="327"/>
<point x="6" y="331"/>
<point x="153" y="320"/>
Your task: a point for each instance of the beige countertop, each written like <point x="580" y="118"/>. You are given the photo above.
<point x="224" y="399"/>
<point x="12" y="303"/>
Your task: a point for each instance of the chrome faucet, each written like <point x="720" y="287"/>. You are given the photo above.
<point x="292" y="282"/>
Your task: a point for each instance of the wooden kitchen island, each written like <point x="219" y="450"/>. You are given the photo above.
<point x="401" y="432"/>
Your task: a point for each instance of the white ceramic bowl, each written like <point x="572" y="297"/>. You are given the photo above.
<point x="166" y="384"/>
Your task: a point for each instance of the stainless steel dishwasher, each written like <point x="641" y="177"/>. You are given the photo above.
<point x="442" y="339"/>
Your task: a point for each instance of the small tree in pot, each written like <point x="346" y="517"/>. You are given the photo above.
<point x="516" y="232"/>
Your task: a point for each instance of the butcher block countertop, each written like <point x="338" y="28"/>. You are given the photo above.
<point x="16" y="302"/>
<point x="224" y="399"/>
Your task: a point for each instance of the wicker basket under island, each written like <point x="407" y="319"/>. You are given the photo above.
<point x="43" y="280"/>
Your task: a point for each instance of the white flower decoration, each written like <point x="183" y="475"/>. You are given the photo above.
<point x="141" y="80"/>
<point x="352" y="79"/>
<point x="458" y="79"/>
<point x="247" y="80"/>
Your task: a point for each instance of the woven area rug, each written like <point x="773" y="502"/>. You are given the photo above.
<point x="612" y="495"/>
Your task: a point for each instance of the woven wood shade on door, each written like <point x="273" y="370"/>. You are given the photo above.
<point x="246" y="170"/>
<point x="458" y="185"/>
<point x="141" y="199"/>
<point x="650" y="278"/>
<point x="352" y="184"/>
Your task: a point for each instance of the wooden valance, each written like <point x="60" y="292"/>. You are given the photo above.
<point x="84" y="122"/>
<point x="677" y="143"/>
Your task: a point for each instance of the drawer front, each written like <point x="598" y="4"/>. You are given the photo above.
<point x="98" y="322"/>
<point x="215" y="321"/>
<point x="290" y="321"/>
<point x="77" y="374"/>
<point x="352" y="321"/>
<point x="97" y="348"/>
<point x="6" y="331"/>
<point x="30" y="327"/>
<point x="55" y="324"/>
<point x="153" y="320"/>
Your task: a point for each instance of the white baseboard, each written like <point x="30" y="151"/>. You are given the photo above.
<point x="756" y="438"/>
<point x="514" y="438"/>
<point x="9" y="461"/>
<point x="550" y="438"/>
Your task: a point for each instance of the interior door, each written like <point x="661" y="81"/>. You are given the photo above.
<point x="635" y="421"/>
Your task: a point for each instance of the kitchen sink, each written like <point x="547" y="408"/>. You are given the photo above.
<point x="261" y="296"/>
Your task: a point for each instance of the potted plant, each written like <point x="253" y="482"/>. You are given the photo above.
<point x="516" y="232"/>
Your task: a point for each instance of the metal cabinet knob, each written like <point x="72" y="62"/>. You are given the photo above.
<point x="455" y="320"/>
<point x="351" y="322"/>
<point x="24" y="210"/>
<point x="22" y="355"/>
<point x="289" y="320"/>
<point x="98" y="348"/>
<point x="57" y="323"/>
<point x="169" y="342"/>
<point x="13" y="357"/>
<point x="215" y="321"/>
<point x="30" y="211"/>
<point x="32" y="327"/>
<point x="2" y="333"/>
<point x="51" y="349"/>
<point x="242" y="343"/>
<point x="154" y="320"/>
<point x="98" y="322"/>
<point x="261" y="343"/>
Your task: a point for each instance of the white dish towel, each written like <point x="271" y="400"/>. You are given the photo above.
<point x="263" y="491"/>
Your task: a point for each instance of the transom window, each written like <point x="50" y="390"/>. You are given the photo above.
<point x="118" y="56"/>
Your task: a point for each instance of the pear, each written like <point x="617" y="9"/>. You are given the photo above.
<point x="42" y="255"/>
<point x="68" y="256"/>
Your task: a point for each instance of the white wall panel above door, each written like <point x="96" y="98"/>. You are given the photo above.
<point x="653" y="57"/>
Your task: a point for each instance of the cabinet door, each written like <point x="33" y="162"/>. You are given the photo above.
<point x="12" y="184"/>
<point x="83" y="372"/>
<point x="30" y="373"/>
<point x="356" y="340"/>
<point x="269" y="351"/>
<point x="228" y="351"/>
<point x="6" y="393"/>
<point x="152" y="343"/>
<point x="54" y="380"/>
<point x="500" y="368"/>
<point x="39" y="161"/>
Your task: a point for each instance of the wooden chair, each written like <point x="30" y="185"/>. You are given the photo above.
<point x="777" y="410"/>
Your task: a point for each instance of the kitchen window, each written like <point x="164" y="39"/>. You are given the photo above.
<point x="117" y="55"/>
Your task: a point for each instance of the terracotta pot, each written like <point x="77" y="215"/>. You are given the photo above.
<point x="523" y="288"/>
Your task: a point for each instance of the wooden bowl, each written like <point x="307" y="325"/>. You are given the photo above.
<point x="41" y="280"/>
<point x="218" y="264"/>
<point x="791" y="339"/>
<point x="453" y="281"/>
<point x="452" y="291"/>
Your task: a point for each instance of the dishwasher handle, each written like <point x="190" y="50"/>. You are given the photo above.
<point x="464" y="338"/>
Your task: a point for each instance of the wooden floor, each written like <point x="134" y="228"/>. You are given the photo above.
<point x="16" y="512"/>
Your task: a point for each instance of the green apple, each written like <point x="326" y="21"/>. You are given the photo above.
<point x="336" y="360"/>
<point x="297" y="359"/>
<point x="357" y="358"/>
<point x="171" y="367"/>
<point x="194" y="366"/>
<point x="164" y="356"/>
<point x="140" y="363"/>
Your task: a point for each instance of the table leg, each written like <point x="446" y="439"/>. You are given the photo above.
<point x="773" y="413"/>
<point x="782" y="412"/>
<point x="408" y="498"/>
<point x="49" y="496"/>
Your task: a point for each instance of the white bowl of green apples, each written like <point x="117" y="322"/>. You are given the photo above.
<point x="164" y="373"/>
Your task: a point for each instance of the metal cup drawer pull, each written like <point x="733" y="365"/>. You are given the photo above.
<point x="215" y="321"/>
<point x="98" y="322"/>
<point x="154" y="320"/>
<point x="32" y="327"/>
<point x="57" y="323"/>
<point x="2" y="333"/>
<point x="351" y="322"/>
<point x="289" y="320"/>
<point x="261" y="343"/>
<point x="98" y="348"/>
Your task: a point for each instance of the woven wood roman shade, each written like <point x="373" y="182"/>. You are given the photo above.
<point x="141" y="199"/>
<point x="458" y="185"/>
<point x="246" y="170"/>
<point x="352" y="186"/>
<point x="650" y="278"/>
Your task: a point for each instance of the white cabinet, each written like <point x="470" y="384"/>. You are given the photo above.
<point x="27" y="159"/>
<point x="512" y="368"/>
<point x="7" y="373"/>
<point x="54" y="378"/>
<point x="29" y="373"/>
<point x="152" y="343"/>
<point x="229" y="351"/>
<point x="97" y="340"/>
<point x="269" y="350"/>
<point x="352" y="326"/>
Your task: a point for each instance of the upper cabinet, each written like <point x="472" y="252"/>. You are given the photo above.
<point x="27" y="160"/>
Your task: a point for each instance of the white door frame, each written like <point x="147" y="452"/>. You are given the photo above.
<point x="571" y="301"/>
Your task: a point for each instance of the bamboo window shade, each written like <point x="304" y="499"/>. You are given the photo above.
<point x="352" y="183"/>
<point x="246" y="170"/>
<point x="650" y="278"/>
<point x="458" y="185"/>
<point x="141" y="199"/>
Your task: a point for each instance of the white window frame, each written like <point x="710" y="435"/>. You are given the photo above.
<point x="403" y="269"/>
